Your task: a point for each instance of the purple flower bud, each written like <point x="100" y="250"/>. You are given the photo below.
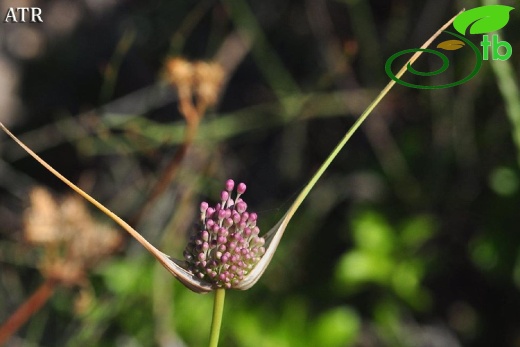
<point x="224" y="196"/>
<point x="227" y="222"/>
<point x="230" y="184"/>
<point x="241" y="189"/>
<point x="203" y="206"/>
<point x="221" y="214"/>
<point x="241" y="206"/>
<point x="259" y="241"/>
<point x="222" y="232"/>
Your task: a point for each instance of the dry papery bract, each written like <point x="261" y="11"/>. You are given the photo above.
<point x="72" y="241"/>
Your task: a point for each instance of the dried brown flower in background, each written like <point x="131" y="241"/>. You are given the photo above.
<point x="198" y="84"/>
<point x="208" y="82"/>
<point x="72" y="241"/>
<point x="179" y="73"/>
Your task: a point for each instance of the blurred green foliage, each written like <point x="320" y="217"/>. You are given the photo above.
<point x="387" y="257"/>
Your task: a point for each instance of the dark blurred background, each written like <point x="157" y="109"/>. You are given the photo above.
<point x="411" y="238"/>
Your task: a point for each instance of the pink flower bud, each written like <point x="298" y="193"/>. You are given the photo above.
<point x="230" y="184"/>
<point x="241" y="189"/>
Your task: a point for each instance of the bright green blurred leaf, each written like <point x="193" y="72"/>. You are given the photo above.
<point x="361" y="266"/>
<point x="484" y="254"/>
<point x="387" y="314"/>
<point x="504" y="181"/>
<point x="337" y="327"/>
<point x="129" y="276"/>
<point x="192" y="310"/>
<point x="406" y="281"/>
<point x="290" y="328"/>
<point x="372" y="233"/>
<point x="406" y="278"/>
<point x="417" y="231"/>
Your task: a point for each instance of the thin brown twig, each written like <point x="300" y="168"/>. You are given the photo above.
<point x="32" y="305"/>
<point x="169" y="173"/>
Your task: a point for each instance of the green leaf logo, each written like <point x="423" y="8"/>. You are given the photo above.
<point x="451" y="45"/>
<point x="483" y="19"/>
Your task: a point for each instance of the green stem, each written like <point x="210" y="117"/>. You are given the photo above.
<point x="303" y="194"/>
<point x="218" y="308"/>
<point x="510" y="90"/>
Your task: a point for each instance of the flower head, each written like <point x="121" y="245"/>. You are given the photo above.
<point x="226" y="245"/>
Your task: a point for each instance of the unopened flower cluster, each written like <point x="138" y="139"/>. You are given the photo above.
<point x="226" y="245"/>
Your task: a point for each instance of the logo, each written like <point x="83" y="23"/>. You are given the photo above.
<point x="479" y="20"/>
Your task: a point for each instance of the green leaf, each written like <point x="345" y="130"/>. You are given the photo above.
<point x="483" y="19"/>
<point x="416" y="231"/>
<point x="358" y="267"/>
<point x="336" y="327"/>
<point x="373" y="233"/>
